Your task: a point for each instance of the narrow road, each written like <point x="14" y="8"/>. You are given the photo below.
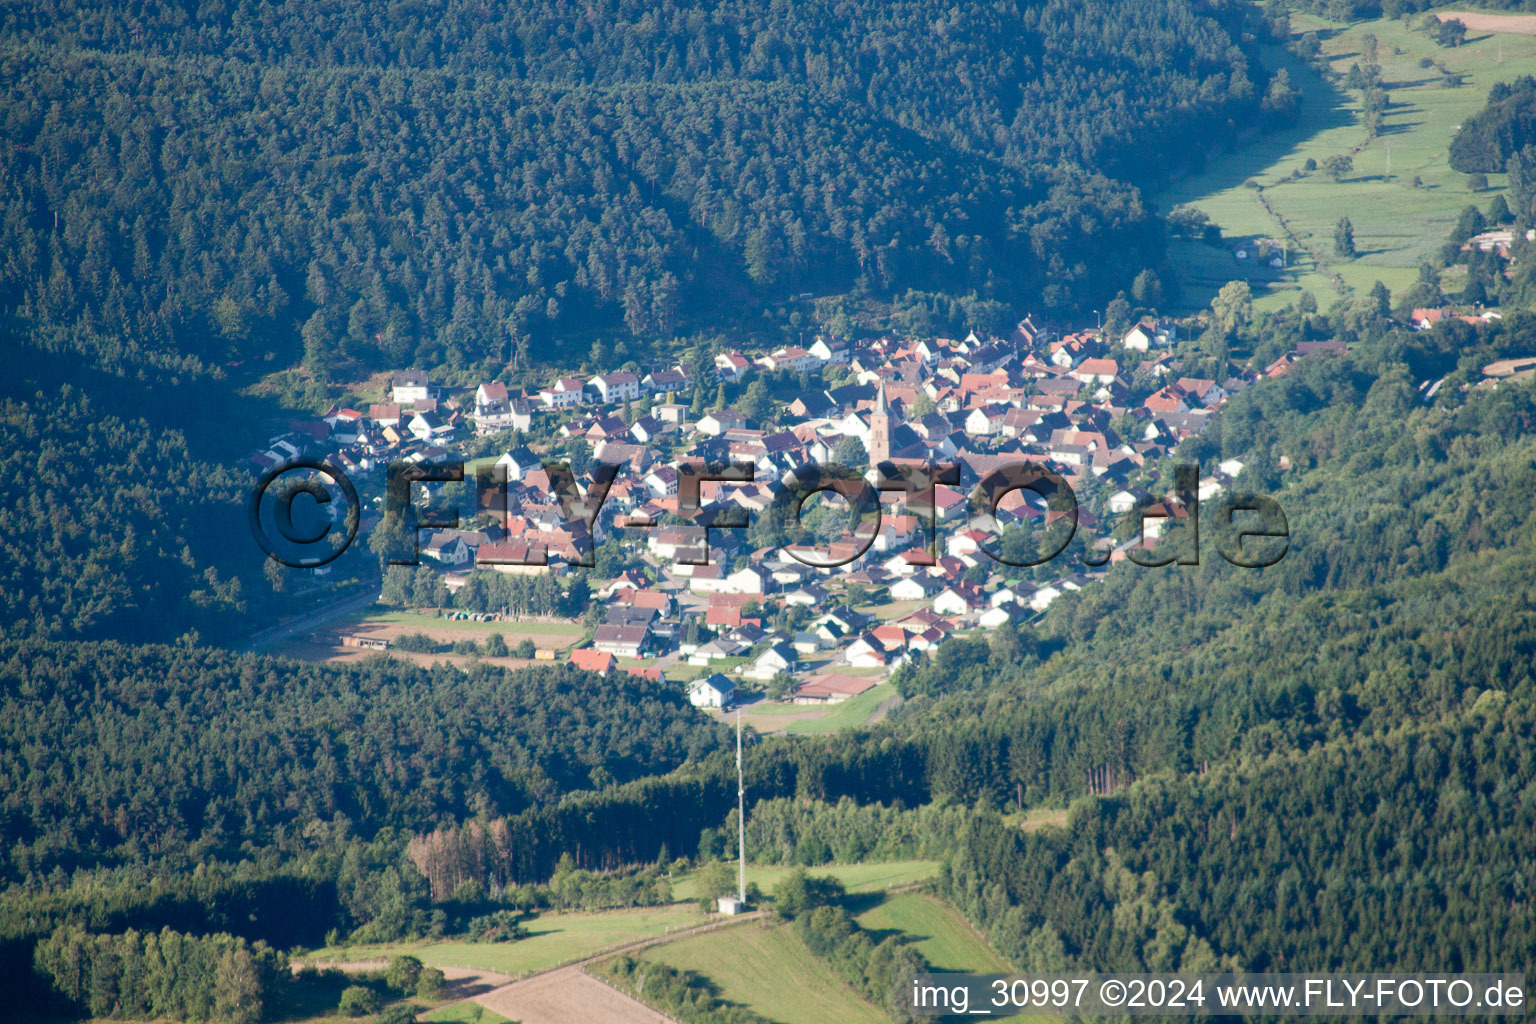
<point x="310" y="621"/>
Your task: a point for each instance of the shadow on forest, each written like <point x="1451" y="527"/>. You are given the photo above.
<point x="1323" y="107"/>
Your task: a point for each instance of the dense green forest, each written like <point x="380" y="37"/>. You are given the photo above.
<point x="109" y="526"/>
<point x="132" y="753"/>
<point x="1486" y="140"/>
<point x="447" y="183"/>
<point x="1405" y="849"/>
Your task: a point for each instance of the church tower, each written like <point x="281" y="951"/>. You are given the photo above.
<point x="880" y="430"/>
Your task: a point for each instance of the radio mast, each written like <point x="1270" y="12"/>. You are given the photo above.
<point x="741" y="818"/>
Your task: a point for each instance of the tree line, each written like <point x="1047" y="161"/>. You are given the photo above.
<point x="134" y="976"/>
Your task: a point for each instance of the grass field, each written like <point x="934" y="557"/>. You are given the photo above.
<point x="1396" y="225"/>
<point x="766" y="968"/>
<point x="553" y="939"/>
<point x="939" y="931"/>
<point x="323" y="645"/>
<point x="468" y="1013"/>
<point x="856" y="878"/>
<point x="1037" y="818"/>
<point x="412" y="621"/>
<point x="894" y="609"/>
<point x="799" y="719"/>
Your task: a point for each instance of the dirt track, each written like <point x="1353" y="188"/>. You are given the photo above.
<point x="567" y="996"/>
<point x="1476" y="21"/>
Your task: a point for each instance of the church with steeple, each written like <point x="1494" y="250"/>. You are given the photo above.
<point x="880" y="427"/>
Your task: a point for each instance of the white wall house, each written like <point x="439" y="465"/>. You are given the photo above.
<point x="714" y="691"/>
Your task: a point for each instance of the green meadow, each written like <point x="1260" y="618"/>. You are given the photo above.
<point x="766" y="968"/>
<point x="1396" y="223"/>
<point x="944" y="937"/>
<point x="552" y="939"/>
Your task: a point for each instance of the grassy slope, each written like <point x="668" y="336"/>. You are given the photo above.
<point x="553" y="939"/>
<point x="557" y="938"/>
<point x="941" y="934"/>
<point x="1396" y="225"/>
<point x="767" y="968"/>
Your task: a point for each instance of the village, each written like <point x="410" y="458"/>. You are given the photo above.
<point x="822" y="614"/>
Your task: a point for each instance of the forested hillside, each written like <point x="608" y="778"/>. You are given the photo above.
<point x="1405" y="849"/>
<point x="80" y="558"/>
<point x="1487" y="140"/>
<point x="447" y="183"/>
<point x="125" y="754"/>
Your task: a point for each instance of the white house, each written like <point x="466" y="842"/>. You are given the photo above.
<point x="518" y="463"/>
<point x="495" y="411"/>
<point x="864" y="653"/>
<point x="780" y="657"/>
<point x="490" y="395"/>
<point x="749" y="580"/>
<point x="665" y="381"/>
<point x="828" y="352"/>
<point x="996" y="616"/>
<point x="716" y="423"/>
<point x="1096" y="371"/>
<point x="717" y="649"/>
<point x="647" y="429"/>
<point x="1145" y="336"/>
<point x="731" y="365"/>
<point x="1044" y="596"/>
<point x="1124" y="501"/>
<point x="620" y="640"/>
<point x="952" y="602"/>
<point x="409" y="386"/>
<point x="794" y="358"/>
<point x="429" y="426"/>
<point x="620" y="386"/>
<point x="1139" y="338"/>
<point x="448" y="548"/>
<point x="670" y="413"/>
<point x="662" y="481"/>
<point x="913" y="588"/>
<point x="713" y="691"/>
<point x="986" y="420"/>
<point x="566" y="392"/>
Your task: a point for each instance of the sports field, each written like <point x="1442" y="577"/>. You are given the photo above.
<point x="324" y="645"/>
<point x="1396" y="223"/>
<point x="797" y="719"/>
